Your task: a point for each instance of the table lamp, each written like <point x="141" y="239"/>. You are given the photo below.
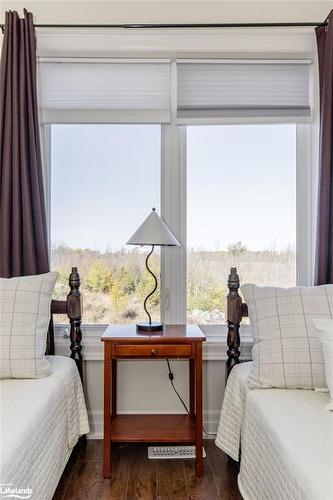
<point x="154" y="232"/>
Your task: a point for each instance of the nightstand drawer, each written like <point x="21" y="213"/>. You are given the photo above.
<point x="153" y="351"/>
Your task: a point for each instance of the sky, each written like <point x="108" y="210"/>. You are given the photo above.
<point x="241" y="184"/>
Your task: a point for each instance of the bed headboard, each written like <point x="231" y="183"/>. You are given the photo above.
<point x="72" y="308"/>
<point x="236" y="310"/>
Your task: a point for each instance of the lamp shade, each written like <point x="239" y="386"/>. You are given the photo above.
<point x="153" y="231"/>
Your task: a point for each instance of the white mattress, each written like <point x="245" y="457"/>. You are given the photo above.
<point x="41" y="421"/>
<point x="286" y="440"/>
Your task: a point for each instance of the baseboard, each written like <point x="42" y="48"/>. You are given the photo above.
<point x="210" y="418"/>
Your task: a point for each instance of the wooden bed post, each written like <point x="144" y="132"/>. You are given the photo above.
<point x="50" y="350"/>
<point x="74" y="315"/>
<point x="72" y="308"/>
<point x="234" y="317"/>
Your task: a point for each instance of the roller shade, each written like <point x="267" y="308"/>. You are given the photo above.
<point x="105" y="90"/>
<point x="139" y="91"/>
<point x="223" y="88"/>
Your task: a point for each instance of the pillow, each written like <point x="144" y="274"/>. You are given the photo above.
<point x="24" y="318"/>
<point x="324" y="328"/>
<point x="287" y="351"/>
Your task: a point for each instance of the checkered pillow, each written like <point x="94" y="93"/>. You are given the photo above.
<point x="287" y="351"/>
<point x="24" y="319"/>
<point x="324" y="327"/>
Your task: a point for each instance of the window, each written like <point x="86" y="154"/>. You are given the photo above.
<point x="104" y="181"/>
<point x="241" y="210"/>
<point x="229" y="166"/>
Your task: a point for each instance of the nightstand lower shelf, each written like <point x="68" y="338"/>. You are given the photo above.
<point x="166" y="428"/>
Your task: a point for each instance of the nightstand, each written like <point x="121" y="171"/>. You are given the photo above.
<point x="175" y="342"/>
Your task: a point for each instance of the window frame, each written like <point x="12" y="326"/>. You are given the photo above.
<point x="174" y="175"/>
<point x="46" y="150"/>
<point x="173" y="191"/>
<point x="174" y="211"/>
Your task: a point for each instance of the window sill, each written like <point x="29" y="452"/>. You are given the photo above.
<point x="215" y="347"/>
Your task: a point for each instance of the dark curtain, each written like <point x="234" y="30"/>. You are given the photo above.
<point x="23" y="231"/>
<point x="324" y="255"/>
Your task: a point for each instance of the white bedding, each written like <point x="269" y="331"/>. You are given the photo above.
<point x="232" y="412"/>
<point x="286" y="437"/>
<point x="41" y="421"/>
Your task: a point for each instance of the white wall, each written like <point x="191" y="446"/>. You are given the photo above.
<point x="172" y="11"/>
<point x="144" y="386"/>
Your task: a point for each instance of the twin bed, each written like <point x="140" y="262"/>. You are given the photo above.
<point x="283" y="438"/>
<point x="42" y="419"/>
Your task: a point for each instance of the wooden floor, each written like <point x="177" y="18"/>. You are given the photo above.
<point x="135" y="476"/>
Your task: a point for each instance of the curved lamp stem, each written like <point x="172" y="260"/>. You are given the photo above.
<point x="154" y="290"/>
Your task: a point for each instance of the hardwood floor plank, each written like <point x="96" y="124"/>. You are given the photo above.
<point x="204" y="487"/>
<point x="135" y="476"/>
<point x="142" y="481"/>
<point x="170" y="497"/>
<point x="87" y="482"/>
<point x="93" y="451"/>
<point x="225" y="472"/>
<point x="171" y="481"/>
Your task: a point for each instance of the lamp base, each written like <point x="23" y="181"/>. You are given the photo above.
<point x="149" y="327"/>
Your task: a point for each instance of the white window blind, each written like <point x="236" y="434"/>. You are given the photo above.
<point x="104" y="90"/>
<point x="235" y="88"/>
<point x="139" y="91"/>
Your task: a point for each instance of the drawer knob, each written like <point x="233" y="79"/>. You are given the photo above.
<point x="153" y="352"/>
